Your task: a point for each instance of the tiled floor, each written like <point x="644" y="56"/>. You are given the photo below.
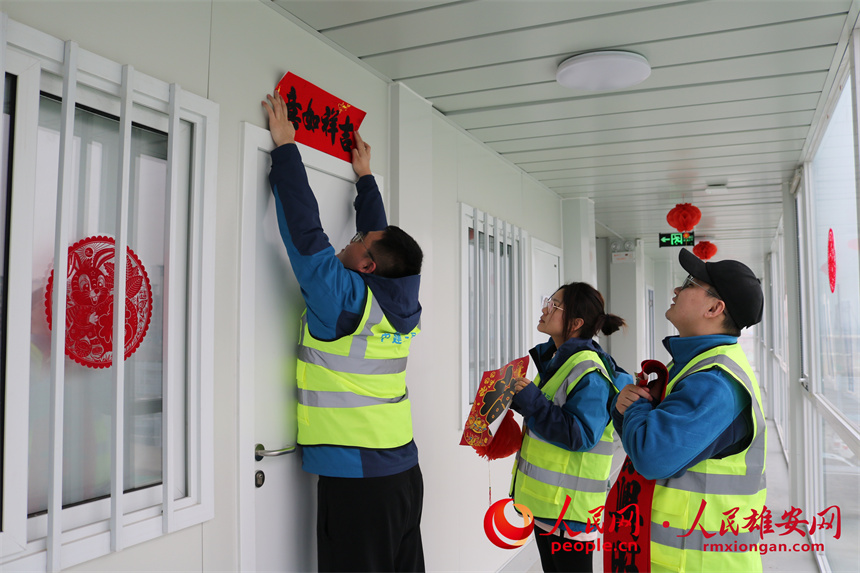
<point x="527" y="560"/>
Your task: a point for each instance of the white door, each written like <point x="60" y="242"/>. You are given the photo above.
<point x="546" y="278"/>
<point x="277" y="520"/>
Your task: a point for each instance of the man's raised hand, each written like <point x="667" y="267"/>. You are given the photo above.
<point x="361" y="156"/>
<point x="280" y="127"/>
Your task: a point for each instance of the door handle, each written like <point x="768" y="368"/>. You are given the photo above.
<point x="260" y="451"/>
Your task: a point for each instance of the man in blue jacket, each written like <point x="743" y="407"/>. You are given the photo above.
<point x="704" y="439"/>
<point x="354" y="420"/>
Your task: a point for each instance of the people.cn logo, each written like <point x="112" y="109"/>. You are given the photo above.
<point x="501" y="532"/>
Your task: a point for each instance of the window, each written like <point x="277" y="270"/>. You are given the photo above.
<point x="103" y="160"/>
<point x="87" y="415"/>
<point x="833" y="317"/>
<point x="841" y="472"/>
<point x="776" y="335"/>
<point x="837" y="280"/>
<point x="492" y="257"/>
<point x="5" y="133"/>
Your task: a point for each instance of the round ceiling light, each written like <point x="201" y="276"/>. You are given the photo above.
<point x="604" y="70"/>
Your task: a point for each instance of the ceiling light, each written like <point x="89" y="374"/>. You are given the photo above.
<point x="603" y="70"/>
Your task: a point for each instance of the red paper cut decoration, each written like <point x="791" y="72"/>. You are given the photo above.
<point x="89" y="302"/>
<point x="684" y="217"/>
<point x="322" y="121"/>
<point x="488" y="418"/>
<point x="831" y="260"/>
<point x="705" y="250"/>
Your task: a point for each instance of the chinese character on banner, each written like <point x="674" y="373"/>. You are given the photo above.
<point x="492" y="402"/>
<point x="321" y="120"/>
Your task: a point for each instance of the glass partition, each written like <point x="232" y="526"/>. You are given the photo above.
<point x="836" y="264"/>
<point x="5" y="134"/>
<point x="89" y="380"/>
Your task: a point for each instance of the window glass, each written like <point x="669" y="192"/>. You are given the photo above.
<point x="474" y="312"/>
<point x="835" y="269"/>
<point x="841" y="470"/>
<point x="88" y="379"/>
<point x="5" y="134"/>
<point x="494" y="305"/>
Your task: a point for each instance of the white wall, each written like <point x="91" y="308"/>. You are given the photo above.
<point x="664" y="285"/>
<point x="456" y="479"/>
<point x="233" y="52"/>
<point x="580" y="241"/>
<point x="627" y="299"/>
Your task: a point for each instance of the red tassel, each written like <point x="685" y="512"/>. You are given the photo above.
<point x="506" y="441"/>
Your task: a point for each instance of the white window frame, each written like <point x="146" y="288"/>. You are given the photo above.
<point x="510" y="324"/>
<point x="778" y="337"/>
<point x="66" y="537"/>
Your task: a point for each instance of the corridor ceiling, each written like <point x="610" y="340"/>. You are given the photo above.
<point x="736" y="97"/>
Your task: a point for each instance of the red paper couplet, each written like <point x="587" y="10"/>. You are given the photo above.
<point x="494" y="395"/>
<point x="628" y="521"/>
<point x="322" y="121"/>
<point x="89" y="302"/>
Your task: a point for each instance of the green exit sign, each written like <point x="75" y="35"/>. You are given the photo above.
<point x="676" y="239"/>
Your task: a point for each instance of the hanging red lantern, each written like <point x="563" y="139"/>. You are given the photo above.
<point x="705" y="250"/>
<point x="684" y="217"/>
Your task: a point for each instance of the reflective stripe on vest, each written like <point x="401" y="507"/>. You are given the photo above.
<point x="579" y="370"/>
<point x="566" y="481"/>
<point x="344" y="399"/>
<point x="352" y="391"/>
<point x="544" y="474"/>
<point x="351" y="364"/>
<point x="736" y="481"/>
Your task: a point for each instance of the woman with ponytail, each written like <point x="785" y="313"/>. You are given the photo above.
<point x="563" y="466"/>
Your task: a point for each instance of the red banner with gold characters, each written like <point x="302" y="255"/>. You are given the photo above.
<point x="493" y="398"/>
<point x="321" y="120"/>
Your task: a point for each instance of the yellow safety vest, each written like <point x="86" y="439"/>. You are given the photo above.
<point x="352" y="391"/>
<point x="736" y="481"/>
<point x="545" y="474"/>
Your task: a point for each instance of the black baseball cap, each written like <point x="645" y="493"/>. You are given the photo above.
<point x="735" y="282"/>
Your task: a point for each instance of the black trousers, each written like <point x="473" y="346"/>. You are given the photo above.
<point x="556" y="559"/>
<point x="370" y="524"/>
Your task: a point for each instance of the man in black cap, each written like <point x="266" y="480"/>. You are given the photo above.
<point x="702" y="438"/>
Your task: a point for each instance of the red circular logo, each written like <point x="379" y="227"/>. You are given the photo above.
<point x="89" y="302"/>
<point x="495" y="523"/>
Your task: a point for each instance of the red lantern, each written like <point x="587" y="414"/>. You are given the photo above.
<point x="705" y="250"/>
<point x="684" y="217"/>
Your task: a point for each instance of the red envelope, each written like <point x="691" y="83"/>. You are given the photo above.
<point x="322" y="121"/>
